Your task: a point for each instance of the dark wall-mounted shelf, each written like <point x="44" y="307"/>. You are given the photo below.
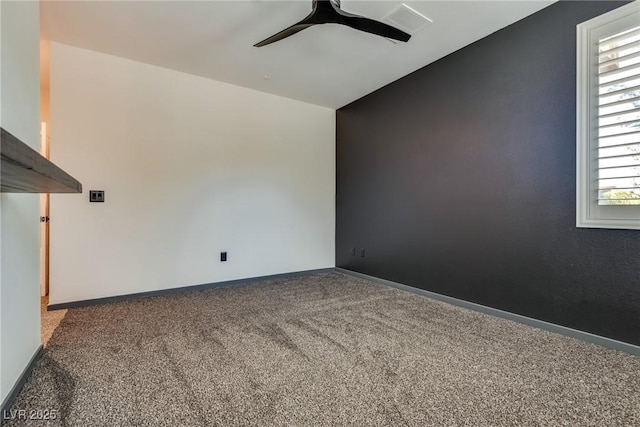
<point x="24" y="170"/>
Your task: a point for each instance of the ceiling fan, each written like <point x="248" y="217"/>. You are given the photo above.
<point x="329" y="12"/>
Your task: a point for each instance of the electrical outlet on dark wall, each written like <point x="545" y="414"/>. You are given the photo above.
<point x="354" y="252"/>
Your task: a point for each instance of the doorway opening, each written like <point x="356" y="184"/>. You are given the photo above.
<point x="49" y="320"/>
<point x="44" y="220"/>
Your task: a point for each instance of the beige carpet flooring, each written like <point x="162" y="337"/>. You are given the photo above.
<point x="326" y="349"/>
<point x="49" y="320"/>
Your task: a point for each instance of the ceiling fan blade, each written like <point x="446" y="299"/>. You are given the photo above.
<point x="307" y="22"/>
<point x="284" y="34"/>
<point x="374" y="27"/>
<point x="329" y="12"/>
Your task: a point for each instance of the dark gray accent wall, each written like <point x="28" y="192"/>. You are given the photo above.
<point x="460" y="179"/>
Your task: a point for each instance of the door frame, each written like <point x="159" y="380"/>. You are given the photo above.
<point x="44" y="219"/>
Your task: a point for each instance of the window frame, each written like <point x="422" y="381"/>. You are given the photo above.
<point x="588" y="213"/>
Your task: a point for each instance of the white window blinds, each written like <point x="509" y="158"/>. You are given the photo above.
<point x="618" y="141"/>
<point x="608" y="120"/>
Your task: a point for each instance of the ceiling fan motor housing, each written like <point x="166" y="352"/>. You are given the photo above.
<point x="334" y="2"/>
<point x="329" y="12"/>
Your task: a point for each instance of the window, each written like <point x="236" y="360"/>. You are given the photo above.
<point x="608" y="120"/>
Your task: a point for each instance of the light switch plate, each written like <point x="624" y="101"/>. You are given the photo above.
<point x="96" y="196"/>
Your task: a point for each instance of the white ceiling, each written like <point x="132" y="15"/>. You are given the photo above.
<point x="329" y="65"/>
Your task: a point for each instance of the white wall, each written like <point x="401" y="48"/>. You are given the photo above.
<point x="190" y="167"/>
<point x="19" y="226"/>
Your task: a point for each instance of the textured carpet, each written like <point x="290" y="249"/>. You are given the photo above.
<point x="326" y="349"/>
<point x="49" y="320"/>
